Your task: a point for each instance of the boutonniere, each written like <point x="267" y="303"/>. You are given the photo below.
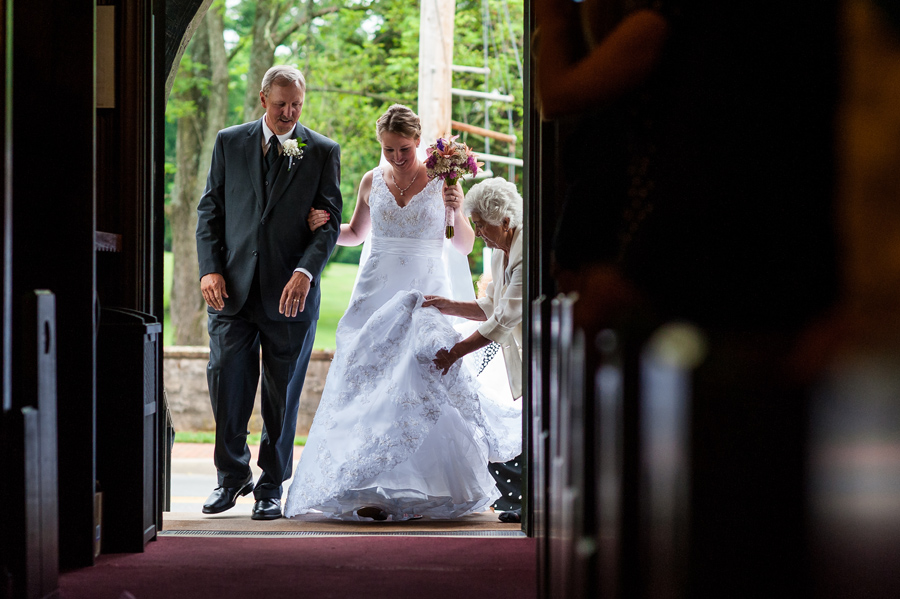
<point x="293" y="148"/>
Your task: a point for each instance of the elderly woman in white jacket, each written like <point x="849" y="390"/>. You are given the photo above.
<point x="495" y="208"/>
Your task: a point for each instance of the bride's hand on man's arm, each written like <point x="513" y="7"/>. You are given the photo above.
<point x="317" y="218"/>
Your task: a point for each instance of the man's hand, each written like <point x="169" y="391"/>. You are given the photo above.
<point x="212" y="286"/>
<point x="293" y="298"/>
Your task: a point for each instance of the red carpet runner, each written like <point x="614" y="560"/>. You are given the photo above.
<point x="313" y="568"/>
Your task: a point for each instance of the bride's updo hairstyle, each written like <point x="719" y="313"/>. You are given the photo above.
<point x="495" y="199"/>
<point x="398" y="120"/>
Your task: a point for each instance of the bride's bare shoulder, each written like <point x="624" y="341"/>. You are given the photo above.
<point x="365" y="185"/>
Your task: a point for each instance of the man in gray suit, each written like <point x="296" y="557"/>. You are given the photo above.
<point x="260" y="267"/>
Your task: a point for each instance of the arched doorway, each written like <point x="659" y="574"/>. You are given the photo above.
<point x="182" y="21"/>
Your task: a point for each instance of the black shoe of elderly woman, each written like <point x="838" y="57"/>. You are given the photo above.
<point x="511" y="517"/>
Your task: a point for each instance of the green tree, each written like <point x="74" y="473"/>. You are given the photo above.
<point x="200" y="106"/>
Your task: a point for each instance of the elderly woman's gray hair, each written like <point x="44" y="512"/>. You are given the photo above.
<point x="495" y="199"/>
<point x="282" y="75"/>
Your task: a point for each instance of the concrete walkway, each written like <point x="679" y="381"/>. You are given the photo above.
<point x="194" y="477"/>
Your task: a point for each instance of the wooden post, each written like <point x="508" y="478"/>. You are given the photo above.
<point x="435" y="58"/>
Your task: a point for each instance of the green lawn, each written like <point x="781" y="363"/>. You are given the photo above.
<point x="337" y="284"/>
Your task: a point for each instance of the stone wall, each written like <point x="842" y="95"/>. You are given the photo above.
<point x="184" y="376"/>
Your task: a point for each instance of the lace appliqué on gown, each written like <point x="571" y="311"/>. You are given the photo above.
<point x="421" y="218"/>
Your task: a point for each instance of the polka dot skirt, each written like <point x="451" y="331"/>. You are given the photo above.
<point x="509" y="481"/>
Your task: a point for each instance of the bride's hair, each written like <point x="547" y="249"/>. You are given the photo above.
<point x="400" y="120"/>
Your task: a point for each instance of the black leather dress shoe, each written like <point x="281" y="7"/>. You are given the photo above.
<point x="511" y="517"/>
<point x="267" y="509"/>
<point x="224" y="498"/>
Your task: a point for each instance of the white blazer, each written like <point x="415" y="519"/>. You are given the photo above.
<point x="502" y="305"/>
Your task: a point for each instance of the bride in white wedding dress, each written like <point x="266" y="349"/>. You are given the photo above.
<point x="393" y="438"/>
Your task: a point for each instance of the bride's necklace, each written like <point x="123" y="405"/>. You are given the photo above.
<point x="408" y="186"/>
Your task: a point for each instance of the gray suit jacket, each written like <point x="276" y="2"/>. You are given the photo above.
<point x="238" y="231"/>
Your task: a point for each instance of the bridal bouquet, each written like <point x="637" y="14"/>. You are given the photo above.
<point x="449" y="160"/>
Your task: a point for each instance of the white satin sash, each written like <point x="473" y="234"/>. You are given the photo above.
<point x="404" y="246"/>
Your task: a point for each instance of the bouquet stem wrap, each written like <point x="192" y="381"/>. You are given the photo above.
<point x="449" y="222"/>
